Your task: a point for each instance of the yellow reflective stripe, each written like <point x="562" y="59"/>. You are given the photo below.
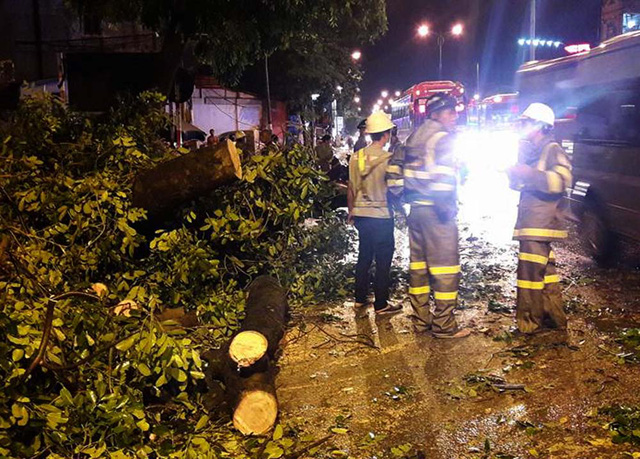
<point x="397" y="182"/>
<point x="565" y="172"/>
<point x="417" y="174"/>
<point x="431" y="147"/>
<point x="444" y="296"/>
<point x="415" y="265"/>
<point x="552" y="255"/>
<point x="419" y="290"/>
<point x="394" y="170"/>
<point x="553" y="279"/>
<point x="530" y="285"/>
<point x="539" y="232"/>
<point x="442" y="187"/>
<point x="440" y="270"/>
<point x="554" y="182"/>
<point x="444" y="170"/>
<point x="533" y="258"/>
<point x="361" y="160"/>
<point x="422" y="203"/>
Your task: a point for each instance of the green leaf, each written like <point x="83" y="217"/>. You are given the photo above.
<point x="339" y="430"/>
<point x="161" y="381"/>
<point x="278" y="432"/>
<point x="202" y="422"/>
<point x="273" y="451"/>
<point x="144" y="369"/>
<point x="143" y="425"/>
<point x="17" y="354"/>
<point x="127" y="343"/>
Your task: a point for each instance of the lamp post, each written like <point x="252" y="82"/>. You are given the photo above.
<point x="456" y="31"/>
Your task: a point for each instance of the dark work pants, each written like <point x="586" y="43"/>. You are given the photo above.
<point x="376" y="242"/>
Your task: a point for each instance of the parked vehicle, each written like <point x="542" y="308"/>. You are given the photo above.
<point x="596" y="95"/>
<point x="410" y="110"/>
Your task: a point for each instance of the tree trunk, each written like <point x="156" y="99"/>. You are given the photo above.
<point x="172" y="183"/>
<point x="246" y="365"/>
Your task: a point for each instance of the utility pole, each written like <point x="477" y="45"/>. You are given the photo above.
<point x="532" y="31"/>
<point x="478" y="78"/>
<point x="441" y="41"/>
<point x="266" y="72"/>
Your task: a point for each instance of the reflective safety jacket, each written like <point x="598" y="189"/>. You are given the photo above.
<point x="540" y="212"/>
<point x="425" y="168"/>
<point x="367" y="170"/>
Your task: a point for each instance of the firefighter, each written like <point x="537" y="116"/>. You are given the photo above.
<point x="542" y="175"/>
<point x="369" y="210"/>
<point x="426" y="171"/>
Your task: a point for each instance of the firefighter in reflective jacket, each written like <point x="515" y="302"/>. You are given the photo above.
<point x="426" y="172"/>
<point x="542" y="175"/>
<point x="369" y="210"/>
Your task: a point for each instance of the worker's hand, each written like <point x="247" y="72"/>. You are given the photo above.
<point x="350" y="219"/>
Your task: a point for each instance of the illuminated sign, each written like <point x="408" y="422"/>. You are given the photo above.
<point x="580" y="48"/>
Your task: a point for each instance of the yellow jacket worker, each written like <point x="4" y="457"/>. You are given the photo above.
<point x="369" y="210"/>
<point x="542" y="175"/>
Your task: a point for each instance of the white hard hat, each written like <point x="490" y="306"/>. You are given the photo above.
<point x="541" y="113"/>
<point x="379" y="122"/>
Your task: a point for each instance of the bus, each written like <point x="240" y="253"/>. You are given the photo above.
<point x="410" y="109"/>
<point x="498" y="112"/>
<point x="596" y="96"/>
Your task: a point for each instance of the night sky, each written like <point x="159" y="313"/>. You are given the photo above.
<point x="492" y="28"/>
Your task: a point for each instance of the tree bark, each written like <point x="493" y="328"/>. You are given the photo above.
<point x="172" y="183"/>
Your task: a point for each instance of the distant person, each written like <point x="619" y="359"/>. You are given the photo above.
<point x="362" y="136"/>
<point x="212" y="139"/>
<point x="369" y="211"/>
<point x="324" y="151"/>
<point x="542" y="175"/>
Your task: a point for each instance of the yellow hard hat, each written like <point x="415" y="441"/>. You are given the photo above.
<point x="240" y="135"/>
<point x="379" y="122"/>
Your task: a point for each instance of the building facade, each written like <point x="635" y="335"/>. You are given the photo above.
<point x="618" y="17"/>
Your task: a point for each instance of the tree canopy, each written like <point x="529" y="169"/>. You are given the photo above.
<point x="230" y="35"/>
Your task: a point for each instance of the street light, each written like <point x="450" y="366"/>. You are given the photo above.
<point x="398" y="93"/>
<point x="356" y="55"/>
<point x="384" y="94"/>
<point x="356" y="99"/>
<point x="456" y="30"/>
<point x="380" y="101"/>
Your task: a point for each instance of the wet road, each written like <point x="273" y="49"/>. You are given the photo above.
<point x="390" y="387"/>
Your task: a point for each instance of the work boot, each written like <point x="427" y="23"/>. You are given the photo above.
<point x="455" y="334"/>
<point x="389" y="309"/>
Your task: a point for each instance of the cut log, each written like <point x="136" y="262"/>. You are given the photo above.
<point x="172" y="183"/>
<point x="250" y="393"/>
<point x="264" y="325"/>
<point x="247" y="348"/>
<point x="245" y="366"/>
<point x="254" y="400"/>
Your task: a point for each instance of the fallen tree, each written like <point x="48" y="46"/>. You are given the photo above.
<point x="172" y="183"/>
<point x="246" y="365"/>
<point x="127" y="357"/>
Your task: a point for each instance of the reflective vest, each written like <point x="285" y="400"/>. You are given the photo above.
<point x="540" y="212"/>
<point x="425" y="169"/>
<point x="367" y="169"/>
